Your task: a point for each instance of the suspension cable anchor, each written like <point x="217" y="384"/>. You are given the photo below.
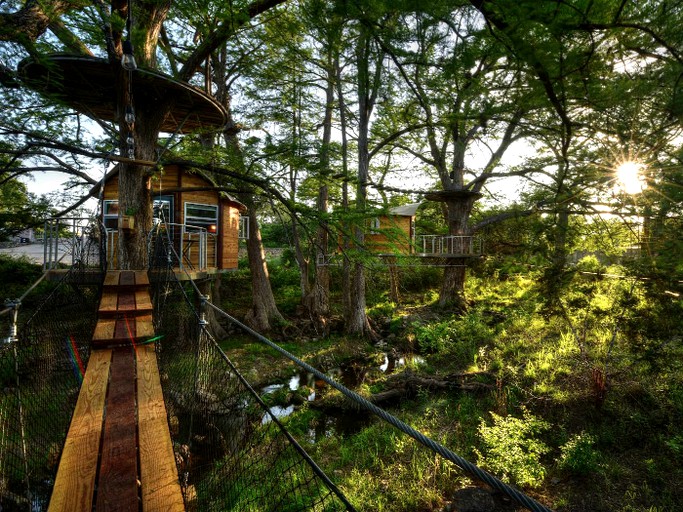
<point x="203" y="299"/>
<point x="13" y="330"/>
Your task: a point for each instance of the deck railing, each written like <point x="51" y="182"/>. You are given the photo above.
<point x="448" y="245"/>
<point x="197" y="247"/>
<point x="70" y="241"/>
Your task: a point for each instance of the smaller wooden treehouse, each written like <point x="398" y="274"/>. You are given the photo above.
<point x="203" y="223"/>
<point x="393" y="234"/>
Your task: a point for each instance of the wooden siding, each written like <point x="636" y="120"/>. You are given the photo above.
<point x="172" y="178"/>
<point x="230" y="228"/>
<point x="394" y="236"/>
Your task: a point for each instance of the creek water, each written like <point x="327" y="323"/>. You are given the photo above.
<point x="350" y="375"/>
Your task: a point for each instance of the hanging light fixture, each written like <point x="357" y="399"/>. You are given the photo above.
<point x="130" y="116"/>
<point x="127" y="59"/>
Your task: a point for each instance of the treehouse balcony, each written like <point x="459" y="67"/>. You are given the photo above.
<point x="195" y="246"/>
<point x="448" y="246"/>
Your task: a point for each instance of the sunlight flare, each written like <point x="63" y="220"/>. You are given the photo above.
<point x="629" y="176"/>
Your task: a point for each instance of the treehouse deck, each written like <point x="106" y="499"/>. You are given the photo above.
<point x="118" y="453"/>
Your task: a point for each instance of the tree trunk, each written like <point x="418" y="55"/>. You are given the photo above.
<point x="393" y="280"/>
<point x="135" y="199"/>
<point x="358" y="323"/>
<point x="264" y="311"/>
<point x="345" y="243"/>
<point x="453" y="287"/>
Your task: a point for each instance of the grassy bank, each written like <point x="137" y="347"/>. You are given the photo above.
<point x="582" y="405"/>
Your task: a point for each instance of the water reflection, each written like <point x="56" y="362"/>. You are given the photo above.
<point x="351" y="375"/>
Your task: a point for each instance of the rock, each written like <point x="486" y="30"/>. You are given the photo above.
<point x="472" y="499"/>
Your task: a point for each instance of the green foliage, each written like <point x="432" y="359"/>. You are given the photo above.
<point x="578" y="456"/>
<point x="19" y="209"/>
<point x="16" y="276"/>
<point x="512" y="448"/>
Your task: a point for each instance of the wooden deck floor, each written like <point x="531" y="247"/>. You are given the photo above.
<point x="118" y="453"/>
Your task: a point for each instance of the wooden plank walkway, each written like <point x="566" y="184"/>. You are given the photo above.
<point x="118" y="454"/>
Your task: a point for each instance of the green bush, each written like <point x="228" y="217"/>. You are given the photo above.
<point x="512" y="450"/>
<point x="577" y="455"/>
<point x="433" y="337"/>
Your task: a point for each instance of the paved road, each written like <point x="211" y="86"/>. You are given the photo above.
<point x="32" y="251"/>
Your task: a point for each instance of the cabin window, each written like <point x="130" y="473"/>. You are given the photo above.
<point x="203" y="215"/>
<point x="374" y="225"/>
<point x="244" y="228"/>
<point x="162" y="211"/>
<point x="110" y="214"/>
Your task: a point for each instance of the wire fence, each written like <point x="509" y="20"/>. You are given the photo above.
<point x="232" y="451"/>
<point x="42" y="361"/>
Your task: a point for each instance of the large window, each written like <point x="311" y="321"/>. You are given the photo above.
<point x="204" y="215"/>
<point x="110" y="214"/>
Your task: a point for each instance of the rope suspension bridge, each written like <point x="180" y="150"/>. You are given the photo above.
<point x="115" y="394"/>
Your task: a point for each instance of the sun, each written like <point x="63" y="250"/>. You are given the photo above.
<point x="629" y="177"/>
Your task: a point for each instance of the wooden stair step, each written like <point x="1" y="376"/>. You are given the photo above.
<point x="141" y="278"/>
<point x="104" y="330"/>
<point x="108" y="302"/>
<point x="112" y="278"/>
<point x="126" y="280"/>
<point x="115" y="332"/>
<point x="142" y="301"/>
<point x="75" y="481"/>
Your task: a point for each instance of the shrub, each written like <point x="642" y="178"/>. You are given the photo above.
<point x="512" y="450"/>
<point x="577" y="455"/>
<point x="433" y="337"/>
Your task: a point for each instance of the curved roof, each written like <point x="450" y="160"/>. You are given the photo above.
<point x="87" y="84"/>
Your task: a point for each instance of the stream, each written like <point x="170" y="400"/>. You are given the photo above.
<point x="340" y="423"/>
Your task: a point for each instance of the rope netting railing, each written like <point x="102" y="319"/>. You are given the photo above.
<point x="232" y="452"/>
<point x="42" y="361"/>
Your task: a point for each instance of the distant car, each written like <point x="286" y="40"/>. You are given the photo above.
<point x="24" y="240"/>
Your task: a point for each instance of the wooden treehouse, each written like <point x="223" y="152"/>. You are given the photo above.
<point x="203" y="224"/>
<point x="392" y="234"/>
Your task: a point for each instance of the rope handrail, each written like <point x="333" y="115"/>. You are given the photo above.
<point x="462" y="463"/>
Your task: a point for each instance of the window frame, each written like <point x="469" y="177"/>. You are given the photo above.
<point x="204" y="222"/>
<point x="110" y="216"/>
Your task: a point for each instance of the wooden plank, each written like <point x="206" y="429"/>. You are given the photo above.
<point x="142" y="301"/>
<point x="125" y="329"/>
<point x="126" y="301"/>
<point x="108" y="302"/>
<point x="117" y="488"/>
<point x="144" y="327"/>
<point x="75" y="482"/>
<point x="127" y="278"/>
<point x="141" y="278"/>
<point x="104" y="330"/>
<point x="112" y="278"/>
<point x="158" y="473"/>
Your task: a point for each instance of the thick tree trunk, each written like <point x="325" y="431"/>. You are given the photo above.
<point x="264" y="312"/>
<point x="453" y="287"/>
<point x="135" y="180"/>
